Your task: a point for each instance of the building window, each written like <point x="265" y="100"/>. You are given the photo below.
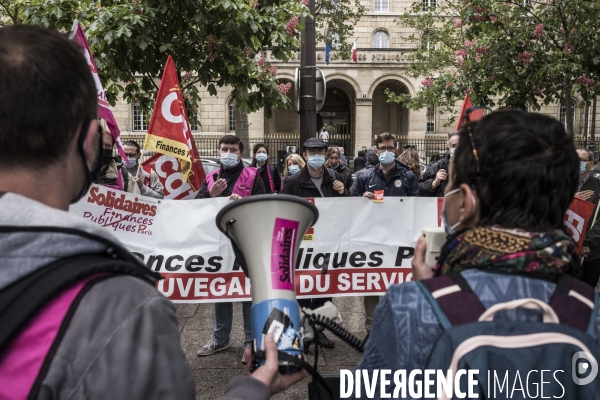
<point x="382" y="5"/>
<point x="426" y="42"/>
<point x="230" y="116"/>
<point x="140" y="119"/>
<point x="429" y="5"/>
<point x="381" y="40"/>
<point x="430" y="119"/>
<point x="193" y="118"/>
<point x="563" y="114"/>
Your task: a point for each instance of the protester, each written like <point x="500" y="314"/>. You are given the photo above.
<point x="112" y="172"/>
<point x="371" y="161"/>
<point x="293" y="164"/>
<point x="589" y="190"/>
<point x="389" y="175"/>
<point x="410" y="157"/>
<point x="506" y="235"/>
<point x="314" y="180"/>
<point x="343" y="156"/>
<point x="394" y="179"/>
<point x="268" y="173"/>
<point x="436" y="176"/>
<point x="359" y="161"/>
<point x="149" y="183"/>
<point x="335" y="163"/>
<point x="233" y="181"/>
<point x="119" y="338"/>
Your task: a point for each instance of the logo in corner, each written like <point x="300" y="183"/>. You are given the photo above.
<point x="581" y="363"/>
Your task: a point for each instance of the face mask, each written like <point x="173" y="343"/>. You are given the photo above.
<point x="582" y="166"/>
<point x="105" y="156"/>
<point x="452" y="152"/>
<point x="292" y="169"/>
<point x="261" y="157"/>
<point x="332" y="165"/>
<point x="229" y="160"/>
<point x="130" y="162"/>
<point x="91" y="171"/>
<point x="316" y="161"/>
<point x="451" y="230"/>
<point x="386" y="158"/>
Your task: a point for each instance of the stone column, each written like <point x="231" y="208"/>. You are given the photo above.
<point x="364" y="124"/>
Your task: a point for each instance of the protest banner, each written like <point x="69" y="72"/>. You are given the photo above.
<point x="104" y="110"/>
<point x="169" y="131"/>
<point x="360" y="248"/>
<point x="473" y="116"/>
<point x="577" y="217"/>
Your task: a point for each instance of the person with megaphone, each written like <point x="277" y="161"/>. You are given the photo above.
<point x="315" y="180"/>
<point x="233" y="181"/>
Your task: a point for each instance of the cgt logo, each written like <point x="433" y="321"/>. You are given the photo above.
<point x="583" y="364"/>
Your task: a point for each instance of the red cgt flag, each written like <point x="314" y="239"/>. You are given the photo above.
<point x="169" y="173"/>
<point x="577" y="217"/>
<point x="169" y="132"/>
<point x="474" y="116"/>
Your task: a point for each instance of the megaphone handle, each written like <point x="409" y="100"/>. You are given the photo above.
<point x="283" y="356"/>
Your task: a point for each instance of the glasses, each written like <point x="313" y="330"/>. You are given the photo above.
<point x="388" y="148"/>
<point x="131" y="155"/>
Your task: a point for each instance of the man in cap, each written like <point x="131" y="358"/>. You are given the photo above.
<point x="315" y="181"/>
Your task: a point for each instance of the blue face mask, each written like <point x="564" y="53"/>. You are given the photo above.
<point x="582" y="165"/>
<point x="130" y="162"/>
<point x="261" y="157"/>
<point x="292" y="169"/>
<point x="316" y="161"/>
<point x="387" y="157"/>
<point x="229" y="160"/>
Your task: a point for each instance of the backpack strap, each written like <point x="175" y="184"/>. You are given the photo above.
<point x="452" y="299"/>
<point x="125" y="176"/>
<point x="575" y="303"/>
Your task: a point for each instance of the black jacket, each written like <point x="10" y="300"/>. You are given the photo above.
<point x="300" y="184"/>
<point x="265" y="177"/>
<point x="402" y="182"/>
<point x="425" y="189"/>
<point x="346" y="175"/>
<point x="231" y="176"/>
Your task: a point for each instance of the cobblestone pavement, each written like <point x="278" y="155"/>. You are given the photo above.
<point x="213" y="373"/>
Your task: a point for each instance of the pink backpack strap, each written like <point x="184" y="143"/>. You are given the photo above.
<point x="22" y="361"/>
<point x="245" y="182"/>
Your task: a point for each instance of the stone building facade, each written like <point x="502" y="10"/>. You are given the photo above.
<point x="356" y="106"/>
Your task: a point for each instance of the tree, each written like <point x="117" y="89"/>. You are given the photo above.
<point x="213" y="44"/>
<point x="335" y="21"/>
<point x="510" y="53"/>
<point x="10" y="12"/>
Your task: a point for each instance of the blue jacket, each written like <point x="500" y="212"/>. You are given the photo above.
<point x="404" y="182"/>
<point x="405" y="328"/>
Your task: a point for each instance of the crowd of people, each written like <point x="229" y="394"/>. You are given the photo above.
<point x="98" y="328"/>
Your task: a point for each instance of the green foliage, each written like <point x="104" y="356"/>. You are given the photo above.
<point x="10" y="12"/>
<point x="214" y="43"/>
<point x="507" y="53"/>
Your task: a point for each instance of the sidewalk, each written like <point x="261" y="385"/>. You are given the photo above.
<point x="213" y="373"/>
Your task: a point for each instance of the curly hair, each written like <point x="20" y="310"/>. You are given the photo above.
<point x="410" y="157"/>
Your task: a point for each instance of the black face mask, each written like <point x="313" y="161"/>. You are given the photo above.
<point x="90" y="174"/>
<point x="106" y="155"/>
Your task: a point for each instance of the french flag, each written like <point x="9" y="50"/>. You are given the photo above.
<point x="354" y="55"/>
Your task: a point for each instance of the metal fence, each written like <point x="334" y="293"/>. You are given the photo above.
<point x="278" y="145"/>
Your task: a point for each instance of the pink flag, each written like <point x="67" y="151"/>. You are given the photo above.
<point x="354" y="52"/>
<point x="104" y="110"/>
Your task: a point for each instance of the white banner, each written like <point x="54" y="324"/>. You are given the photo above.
<point x="357" y="247"/>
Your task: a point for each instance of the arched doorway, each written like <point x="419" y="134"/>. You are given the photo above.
<point x="389" y="117"/>
<point x="338" y="114"/>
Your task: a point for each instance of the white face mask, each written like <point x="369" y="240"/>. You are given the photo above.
<point x="292" y="169"/>
<point x="229" y="160"/>
<point x="261" y="157"/>
<point x="451" y="230"/>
